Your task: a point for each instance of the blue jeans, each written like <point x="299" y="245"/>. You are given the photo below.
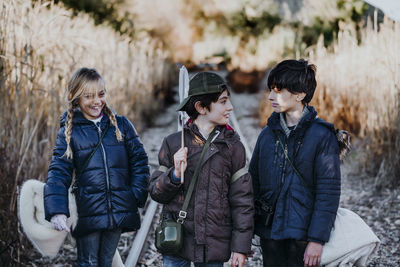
<point x="171" y="261"/>
<point x="97" y="249"/>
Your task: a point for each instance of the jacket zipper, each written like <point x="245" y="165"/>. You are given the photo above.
<point x="207" y="196"/>
<point x="107" y="177"/>
<point x="283" y="172"/>
<point x="276" y="152"/>
<point x="284" y="164"/>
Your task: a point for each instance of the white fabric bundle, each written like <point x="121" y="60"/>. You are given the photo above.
<point x="39" y="231"/>
<point x="351" y="242"/>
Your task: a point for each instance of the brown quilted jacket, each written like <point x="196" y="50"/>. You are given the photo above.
<point x="220" y="213"/>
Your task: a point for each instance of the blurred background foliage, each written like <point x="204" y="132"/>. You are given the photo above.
<point x="104" y="11"/>
<point x="233" y="29"/>
<point x="349" y="13"/>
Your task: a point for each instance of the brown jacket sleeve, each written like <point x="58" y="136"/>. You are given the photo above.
<point x="161" y="187"/>
<point x="242" y="204"/>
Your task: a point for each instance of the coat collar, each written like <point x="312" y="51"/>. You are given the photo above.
<point x="274" y="121"/>
<point x="284" y="125"/>
<point x="80" y="119"/>
<point x="227" y="133"/>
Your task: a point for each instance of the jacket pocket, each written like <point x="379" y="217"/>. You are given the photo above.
<point x="124" y="201"/>
<point x="300" y="208"/>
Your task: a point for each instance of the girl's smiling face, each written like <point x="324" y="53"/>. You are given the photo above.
<point x="91" y="102"/>
<point x="219" y="111"/>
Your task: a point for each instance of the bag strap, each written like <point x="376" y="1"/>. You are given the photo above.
<point x="238" y="174"/>
<point x="293" y="167"/>
<point x="182" y="212"/>
<point x="75" y="184"/>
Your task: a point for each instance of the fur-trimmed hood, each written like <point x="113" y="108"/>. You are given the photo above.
<point x="342" y="136"/>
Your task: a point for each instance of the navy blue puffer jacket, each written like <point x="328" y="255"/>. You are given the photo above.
<point x="111" y="187"/>
<point x="303" y="212"/>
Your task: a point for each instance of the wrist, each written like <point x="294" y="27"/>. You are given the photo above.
<point x="174" y="178"/>
<point x="175" y="174"/>
<point x="316" y="241"/>
<point x="55" y="216"/>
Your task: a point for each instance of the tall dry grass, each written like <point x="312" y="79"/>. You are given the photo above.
<point x="359" y="90"/>
<point x="41" y="45"/>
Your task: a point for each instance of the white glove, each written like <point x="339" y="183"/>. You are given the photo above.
<point x="59" y="222"/>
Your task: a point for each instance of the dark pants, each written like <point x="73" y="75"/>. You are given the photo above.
<point x="97" y="249"/>
<point x="171" y="261"/>
<point x="283" y="253"/>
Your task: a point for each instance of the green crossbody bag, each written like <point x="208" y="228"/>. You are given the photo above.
<point x="169" y="232"/>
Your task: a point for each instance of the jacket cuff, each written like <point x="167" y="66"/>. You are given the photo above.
<point x="241" y="243"/>
<point x="174" y="179"/>
<point x="310" y="239"/>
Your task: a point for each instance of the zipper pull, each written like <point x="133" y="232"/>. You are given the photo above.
<point x="98" y="127"/>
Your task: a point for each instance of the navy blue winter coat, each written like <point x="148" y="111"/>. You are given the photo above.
<point x="111" y="187"/>
<point x="303" y="212"/>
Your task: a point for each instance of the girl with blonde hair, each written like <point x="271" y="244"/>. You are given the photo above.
<point x="103" y="151"/>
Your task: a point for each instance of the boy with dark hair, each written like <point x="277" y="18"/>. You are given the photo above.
<point x="296" y="171"/>
<point x="219" y="220"/>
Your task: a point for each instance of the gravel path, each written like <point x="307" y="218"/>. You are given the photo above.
<point x="378" y="209"/>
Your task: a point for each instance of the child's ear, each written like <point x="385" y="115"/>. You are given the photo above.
<point x="300" y="97"/>
<point x="199" y="108"/>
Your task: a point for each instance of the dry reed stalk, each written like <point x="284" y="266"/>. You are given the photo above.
<point x="360" y="80"/>
<point x="363" y="84"/>
<point x="41" y="45"/>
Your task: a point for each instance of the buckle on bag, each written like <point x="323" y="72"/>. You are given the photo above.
<point x="182" y="216"/>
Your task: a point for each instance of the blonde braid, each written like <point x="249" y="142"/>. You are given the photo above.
<point x="113" y="120"/>
<point x="68" y="130"/>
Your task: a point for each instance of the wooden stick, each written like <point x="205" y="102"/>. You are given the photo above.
<point x="183" y="145"/>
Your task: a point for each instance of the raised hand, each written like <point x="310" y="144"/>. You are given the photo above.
<point x="180" y="157"/>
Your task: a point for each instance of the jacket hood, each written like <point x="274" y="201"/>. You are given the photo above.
<point x="328" y="125"/>
<point x="304" y="123"/>
<point x="227" y="133"/>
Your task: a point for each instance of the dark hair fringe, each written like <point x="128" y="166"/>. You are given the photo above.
<point x="297" y="76"/>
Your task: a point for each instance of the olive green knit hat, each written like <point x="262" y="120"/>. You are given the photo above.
<point x="203" y="83"/>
